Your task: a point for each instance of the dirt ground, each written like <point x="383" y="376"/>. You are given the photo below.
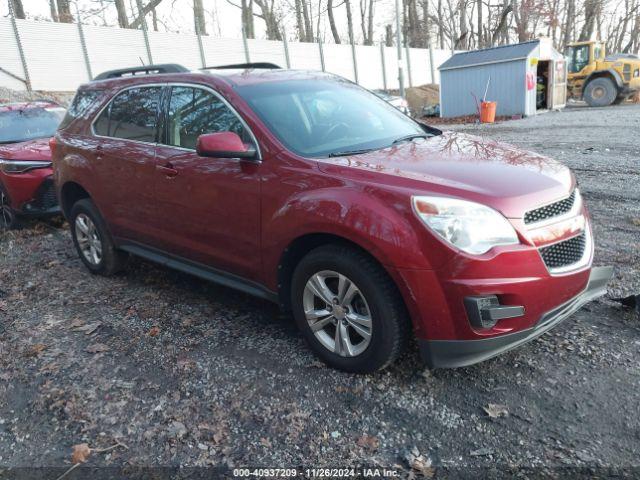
<point x="185" y="373"/>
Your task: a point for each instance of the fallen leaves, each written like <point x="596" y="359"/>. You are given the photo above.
<point x="35" y="350"/>
<point x="495" y="410"/>
<point x="420" y="463"/>
<point x="80" y="453"/>
<point x="368" y="442"/>
<point x="155" y="330"/>
<point x="97" y="348"/>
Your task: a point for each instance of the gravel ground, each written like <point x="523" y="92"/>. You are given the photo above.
<point x="178" y="372"/>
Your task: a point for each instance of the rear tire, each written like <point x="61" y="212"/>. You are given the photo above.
<point x="600" y="92"/>
<point x="93" y="241"/>
<point x="356" y="297"/>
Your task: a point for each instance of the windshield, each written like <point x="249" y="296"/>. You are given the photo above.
<point x="318" y="118"/>
<point x="577" y="58"/>
<point x="29" y="123"/>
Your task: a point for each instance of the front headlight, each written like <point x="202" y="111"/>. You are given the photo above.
<point x="469" y="226"/>
<point x="21" y="166"/>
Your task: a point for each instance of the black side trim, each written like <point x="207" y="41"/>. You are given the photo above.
<point x="461" y="353"/>
<point x="199" y="270"/>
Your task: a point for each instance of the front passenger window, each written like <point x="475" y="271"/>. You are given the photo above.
<point x="193" y="112"/>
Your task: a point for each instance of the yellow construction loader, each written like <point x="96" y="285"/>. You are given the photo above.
<point x="600" y="79"/>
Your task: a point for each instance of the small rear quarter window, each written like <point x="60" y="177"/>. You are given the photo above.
<point x="80" y="104"/>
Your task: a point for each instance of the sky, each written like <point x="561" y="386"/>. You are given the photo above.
<point x="223" y="19"/>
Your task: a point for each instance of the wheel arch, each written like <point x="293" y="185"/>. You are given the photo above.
<point x="301" y="246"/>
<point x="70" y="193"/>
<point x="609" y="73"/>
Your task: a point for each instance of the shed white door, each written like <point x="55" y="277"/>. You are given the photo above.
<point x="558" y="84"/>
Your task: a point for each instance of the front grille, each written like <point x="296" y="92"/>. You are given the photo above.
<point x="45" y="196"/>
<point x="551" y="210"/>
<point x="563" y="254"/>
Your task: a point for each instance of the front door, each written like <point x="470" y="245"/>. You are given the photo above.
<point x="208" y="208"/>
<point x="124" y="160"/>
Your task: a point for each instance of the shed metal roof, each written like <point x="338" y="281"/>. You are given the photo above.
<point x="504" y="53"/>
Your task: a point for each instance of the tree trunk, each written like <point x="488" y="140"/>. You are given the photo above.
<point x="480" y="24"/>
<point x="271" y="20"/>
<point x="154" y="19"/>
<point x="308" y="26"/>
<point x="347" y="4"/>
<point x="388" y="35"/>
<point x="246" y="14"/>
<point x="302" y="34"/>
<point x="332" y="22"/>
<point x="461" y="41"/>
<point x="501" y="28"/>
<point x="142" y="13"/>
<point x="18" y="9"/>
<point x="568" y="26"/>
<point x="440" y="25"/>
<point x="53" y="10"/>
<point x="64" y="11"/>
<point x="123" y="20"/>
<point x="198" y="17"/>
<point x="591" y="9"/>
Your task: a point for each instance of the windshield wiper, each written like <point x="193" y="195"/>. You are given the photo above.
<point x="408" y="138"/>
<point x="346" y="153"/>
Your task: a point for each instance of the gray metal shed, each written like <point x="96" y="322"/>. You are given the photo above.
<point x="524" y="79"/>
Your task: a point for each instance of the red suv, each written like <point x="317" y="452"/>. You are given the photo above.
<point x="26" y="177"/>
<point x="307" y="190"/>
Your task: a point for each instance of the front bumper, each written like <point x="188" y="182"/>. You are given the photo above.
<point x="460" y="353"/>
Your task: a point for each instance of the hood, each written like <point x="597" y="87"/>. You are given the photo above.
<point x="37" y="149"/>
<point x="464" y="166"/>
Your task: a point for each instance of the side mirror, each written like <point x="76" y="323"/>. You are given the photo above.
<point x="223" y="145"/>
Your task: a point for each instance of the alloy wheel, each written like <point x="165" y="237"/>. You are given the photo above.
<point x="337" y="313"/>
<point x="89" y="241"/>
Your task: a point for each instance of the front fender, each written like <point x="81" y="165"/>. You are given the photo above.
<point x="383" y="224"/>
<point x="617" y="78"/>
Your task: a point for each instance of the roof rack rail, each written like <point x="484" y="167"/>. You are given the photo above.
<point x="143" y="70"/>
<point x="265" y="65"/>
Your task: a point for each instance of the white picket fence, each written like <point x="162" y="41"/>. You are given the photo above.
<point x="56" y="62"/>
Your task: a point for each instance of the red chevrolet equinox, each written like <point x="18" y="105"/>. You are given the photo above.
<point x="305" y="189"/>
<point x="26" y="177"/>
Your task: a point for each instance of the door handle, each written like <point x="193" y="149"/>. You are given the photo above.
<point x="168" y="170"/>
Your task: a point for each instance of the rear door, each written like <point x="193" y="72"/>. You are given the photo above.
<point x="124" y="161"/>
<point x="207" y="208"/>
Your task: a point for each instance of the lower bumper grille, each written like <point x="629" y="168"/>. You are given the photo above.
<point x="45" y="198"/>
<point x="563" y="254"/>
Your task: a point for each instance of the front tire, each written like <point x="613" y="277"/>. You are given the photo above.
<point x="8" y="218"/>
<point x="600" y="92"/>
<point x="93" y="241"/>
<point x="349" y="309"/>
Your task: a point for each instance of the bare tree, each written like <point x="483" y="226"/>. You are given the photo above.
<point x="64" y="11"/>
<point x="347" y="4"/>
<point x="592" y="9"/>
<point x="18" y="8"/>
<point x="271" y="17"/>
<point x="198" y="17"/>
<point x="123" y="19"/>
<point x="366" y="21"/>
<point x="332" y="22"/>
<point x="144" y="11"/>
<point x="53" y="10"/>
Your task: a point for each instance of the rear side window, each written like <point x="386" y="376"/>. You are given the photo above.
<point x="131" y="115"/>
<point x="79" y="106"/>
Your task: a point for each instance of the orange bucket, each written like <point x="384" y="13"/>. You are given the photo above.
<point x="488" y="112"/>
